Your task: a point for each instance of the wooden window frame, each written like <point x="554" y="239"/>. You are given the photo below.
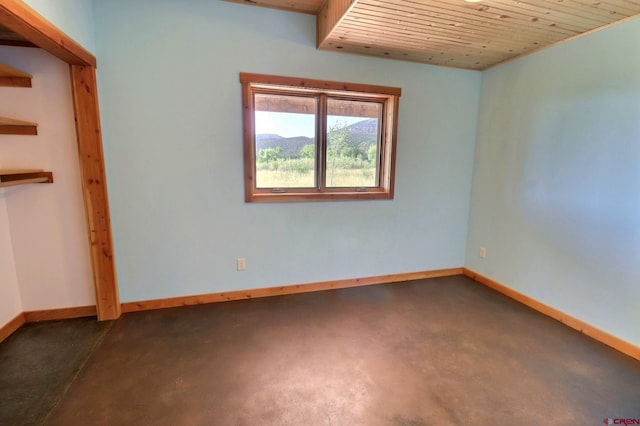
<point x="388" y="97"/>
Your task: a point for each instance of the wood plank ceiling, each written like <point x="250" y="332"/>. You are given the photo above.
<point x="457" y="33"/>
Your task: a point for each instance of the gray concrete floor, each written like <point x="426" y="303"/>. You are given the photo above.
<point x="443" y="351"/>
<point x="39" y="362"/>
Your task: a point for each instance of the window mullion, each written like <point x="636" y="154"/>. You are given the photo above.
<point x="321" y="142"/>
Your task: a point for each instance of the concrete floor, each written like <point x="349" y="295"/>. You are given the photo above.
<point x="443" y="351"/>
<point x="39" y="362"/>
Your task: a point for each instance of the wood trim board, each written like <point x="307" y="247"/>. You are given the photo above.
<point x="44" y="315"/>
<point x="9" y="328"/>
<point x="602" y="336"/>
<point x="16" y="177"/>
<point x="18" y="129"/>
<point x="13" y="77"/>
<point x="25" y="21"/>
<point x="173" y="302"/>
<point x="11" y="126"/>
<point x="87" y="311"/>
<point x="60" y="313"/>
<point x="94" y="185"/>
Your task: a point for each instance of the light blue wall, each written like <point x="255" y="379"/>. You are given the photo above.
<point x="556" y="181"/>
<point x="73" y="17"/>
<point x="556" y="185"/>
<point x="171" y="111"/>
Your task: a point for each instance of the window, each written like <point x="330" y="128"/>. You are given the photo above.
<point x="317" y="140"/>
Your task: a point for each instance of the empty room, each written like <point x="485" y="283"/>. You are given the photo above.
<point x="319" y="212"/>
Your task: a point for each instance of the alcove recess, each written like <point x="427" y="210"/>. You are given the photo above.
<point x="11" y="77"/>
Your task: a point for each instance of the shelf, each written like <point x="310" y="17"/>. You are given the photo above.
<point x="10" y="126"/>
<point x="11" y="77"/>
<point x="12" y="177"/>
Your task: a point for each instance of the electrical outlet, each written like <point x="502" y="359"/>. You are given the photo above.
<point x="483" y="252"/>
<point x="241" y="263"/>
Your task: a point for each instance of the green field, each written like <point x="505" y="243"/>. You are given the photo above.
<point x="292" y="179"/>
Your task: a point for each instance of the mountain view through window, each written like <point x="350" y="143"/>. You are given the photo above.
<point x="311" y="140"/>
<point x="288" y="160"/>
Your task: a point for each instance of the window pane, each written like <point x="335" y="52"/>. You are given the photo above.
<point x="285" y="128"/>
<point x="353" y="141"/>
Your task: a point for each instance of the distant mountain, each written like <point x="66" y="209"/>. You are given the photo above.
<point x="263" y="136"/>
<point x="363" y="135"/>
<point x="369" y="126"/>
<point x="290" y="146"/>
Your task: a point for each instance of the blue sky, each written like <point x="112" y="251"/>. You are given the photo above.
<point x="290" y="125"/>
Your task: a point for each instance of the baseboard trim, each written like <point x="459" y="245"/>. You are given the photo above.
<point x="602" y="336"/>
<point x="60" y="313"/>
<point x="9" y="328"/>
<point x="45" y="315"/>
<point x="173" y="302"/>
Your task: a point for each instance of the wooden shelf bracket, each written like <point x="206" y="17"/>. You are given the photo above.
<point x="22" y="177"/>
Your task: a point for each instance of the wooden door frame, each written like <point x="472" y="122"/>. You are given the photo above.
<point x="26" y="22"/>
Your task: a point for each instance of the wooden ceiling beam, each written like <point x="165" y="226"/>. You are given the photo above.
<point x="329" y="18"/>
